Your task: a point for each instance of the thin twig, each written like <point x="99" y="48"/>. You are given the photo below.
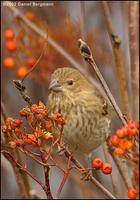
<point x="134" y="54"/>
<point x="116" y="42"/>
<point x="121" y="169"/>
<point x="35" y="65"/>
<point x="82" y="17"/>
<point x="47" y="182"/>
<point x="87" y="55"/>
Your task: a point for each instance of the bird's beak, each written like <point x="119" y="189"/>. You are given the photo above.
<point x="55" y="85"/>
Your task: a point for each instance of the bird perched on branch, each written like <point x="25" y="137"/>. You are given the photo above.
<point x="83" y="108"/>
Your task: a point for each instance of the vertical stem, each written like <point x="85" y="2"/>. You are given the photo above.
<point x="82" y="18"/>
<point x="116" y="42"/>
<point x="134" y="54"/>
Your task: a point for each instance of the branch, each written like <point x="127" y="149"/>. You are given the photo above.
<point x="121" y="74"/>
<point x="91" y="178"/>
<point x="47" y="182"/>
<point x="134" y="54"/>
<point x="20" y="178"/>
<point x="87" y="55"/>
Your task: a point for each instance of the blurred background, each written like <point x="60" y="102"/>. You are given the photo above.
<point x="64" y="22"/>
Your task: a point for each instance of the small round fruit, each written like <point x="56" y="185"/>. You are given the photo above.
<point x="9" y="34"/>
<point x="132" y="193"/>
<point x="119" y="151"/>
<point x="97" y="163"/>
<point x="106" y="168"/>
<point x="132" y="130"/>
<point x="21" y="72"/>
<point x="114" y="140"/>
<point x="9" y="63"/>
<point x="30" y="62"/>
<point x="11" y="45"/>
<point x="120" y="133"/>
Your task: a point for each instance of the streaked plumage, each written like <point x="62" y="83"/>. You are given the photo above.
<point x="83" y="108"/>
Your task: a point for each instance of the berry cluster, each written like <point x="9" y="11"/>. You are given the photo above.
<point x="38" y="120"/>
<point x="9" y="62"/>
<point x="97" y="164"/>
<point x="124" y="139"/>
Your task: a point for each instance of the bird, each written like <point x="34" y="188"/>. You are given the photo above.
<point x="83" y="108"/>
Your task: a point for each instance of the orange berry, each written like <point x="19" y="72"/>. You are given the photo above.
<point x="31" y="62"/>
<point x="114" y="140"/>
<point x="48" y="125"/>
<point x="21" y="72"/>
<point x="119" y="151"/>
<point x="125" y="144"/>
<point x="9" y="34"/>
<point x="42" y="113"/>
<point x="30" y="139"/>
<point x="60" y="121"/>
<point x="30" y="15"/>
<point x="11" y="45"/>
<point x="132" y="193"/>
<point x="34" y="108"/>
<point x="120" y="133"/>
<point x="97" y="163"/>
<point x="9" y="63"/>
<point x="132" y="130"/>
<point x="106" y="168"/>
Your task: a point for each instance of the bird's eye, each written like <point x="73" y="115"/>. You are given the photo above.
<point x="70" y="82"/>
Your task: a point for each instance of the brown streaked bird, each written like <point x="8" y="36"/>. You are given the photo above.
<point x="83" y="108"/>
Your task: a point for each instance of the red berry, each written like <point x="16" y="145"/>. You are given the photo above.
<point x="120" y="133"/>
<point x="11" y="45"/>
<point x="9" y="34"/>
<point x="97" y="163"/>
<point x="21" y="72"/>
<point x="9" y="63"/>
<point x="60" y="121"/>
<point x="34" y="108"/>
<point x="31" y="61"/>
<point x="132" y="130"/>
<point x="48" y="125"/>
<point x="106" y="168"/>
<point x="114" y="140"/>
<point x="132" y="193"/>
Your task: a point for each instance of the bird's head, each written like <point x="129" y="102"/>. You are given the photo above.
<point x="69" y="82"/>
